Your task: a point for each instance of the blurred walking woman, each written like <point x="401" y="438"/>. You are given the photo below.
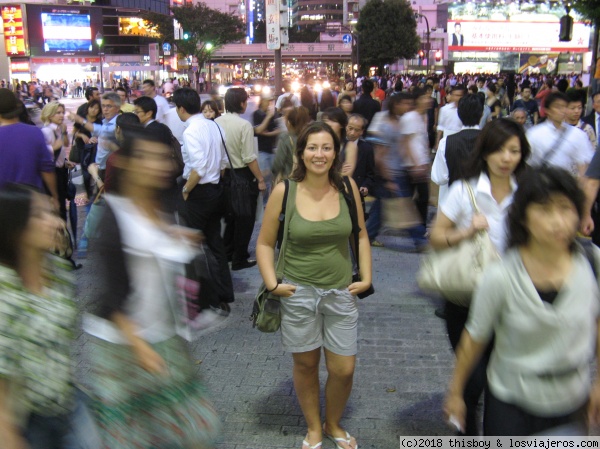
<point x="37" y="322"/>
<point x="542" y="304"/>
<point x="144" y="384"/>
<point x="318" y="297"/>
<point x="499" y="156"/>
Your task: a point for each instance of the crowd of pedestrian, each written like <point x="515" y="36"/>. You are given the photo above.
<point x="513" y="157"/>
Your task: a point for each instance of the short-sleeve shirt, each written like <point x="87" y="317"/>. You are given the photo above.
<point x="448" y="120"/>
<point x="567" y="147"/>
<point x="106" y="134"/>
<point x="414" y="124"/>
<point x="265" y="143"/>
<point x="542" y="351"/>
<point x="530" y="106"/>
<point x="36" y="333"/>
<point x="458" y="208"/>
<point x="23" y="155"/>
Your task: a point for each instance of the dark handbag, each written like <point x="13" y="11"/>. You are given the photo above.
<point x="71" y="189"/>
<point x="354" y="247"/>
<point x="75" y="153"/>
<point x="240" y="189"/>
<point x="266" y="313"/>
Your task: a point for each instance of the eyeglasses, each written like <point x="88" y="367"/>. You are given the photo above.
<point x="109" y="106"/>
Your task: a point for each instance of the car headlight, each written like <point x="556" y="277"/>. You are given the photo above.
<point x="326" y="85"/>
<point x="258" y="88"/>
<point x="295" y="86"/>
<point x="222" y="90"/>
<point x="266" y="90"/>
<point x="318" y="87"/>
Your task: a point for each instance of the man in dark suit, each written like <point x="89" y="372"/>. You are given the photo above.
<point x="146" y="108"/>
<point x="366" y="105"/>
<point x="457" y="38"/>
<point x="364" y="173"/>
<point x="593" y="118"/>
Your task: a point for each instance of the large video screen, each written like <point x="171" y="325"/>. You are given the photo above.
<point x="529" y="27"/>
<point x="66" y="33"/>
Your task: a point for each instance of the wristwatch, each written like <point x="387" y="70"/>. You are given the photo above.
<point x="184" y="190"/>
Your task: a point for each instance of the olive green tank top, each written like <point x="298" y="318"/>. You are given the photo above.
<point x="317" y="252"/>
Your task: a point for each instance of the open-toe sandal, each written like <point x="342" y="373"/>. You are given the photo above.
<point x="306" y="445"/>
<point x="347" y="441"/>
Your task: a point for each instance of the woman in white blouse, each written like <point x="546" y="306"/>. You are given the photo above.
<point x="500" y="154"/>
<point x="57" y="141"/>
<point x="542" y="304"/>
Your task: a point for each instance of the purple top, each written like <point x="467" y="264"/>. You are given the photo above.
<point x="23" y="155"/>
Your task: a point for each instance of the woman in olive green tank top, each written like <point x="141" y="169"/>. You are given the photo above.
<point x="318" y="297"/>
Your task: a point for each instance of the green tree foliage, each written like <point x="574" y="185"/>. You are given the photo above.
<point x="590" y="9"/>
<point x="203" y="25"/>
<point x="388" y="32"/>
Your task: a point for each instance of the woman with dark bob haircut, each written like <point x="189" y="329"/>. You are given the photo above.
<point x="318" y="296"/>
<point x="38" y="403"/>
<point x="541" y="303"/>
<point x="499" y="156"/>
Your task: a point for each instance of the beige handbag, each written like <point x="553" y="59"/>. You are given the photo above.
<point x="455" y="272"/>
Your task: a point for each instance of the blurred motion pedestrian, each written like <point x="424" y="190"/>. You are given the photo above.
<point x="39" y="407"/>
<point x="541" y="305"/>
<point x="499" y="156"/>
<point x="145" y="389"/>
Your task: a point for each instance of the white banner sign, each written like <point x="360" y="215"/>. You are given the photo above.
<point x="272" y="15"/>
<point x="507" y="36"/>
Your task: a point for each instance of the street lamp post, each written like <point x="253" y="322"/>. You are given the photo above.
<point x="209" y="47"/>
<point x="428" y="44"/>
<point x="99" y="42"/>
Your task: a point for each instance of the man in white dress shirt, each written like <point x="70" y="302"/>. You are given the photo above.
<point x="555" y="142"/>
<point x="149" y="89"/>
<point x="448" y="121"/>
<point x="204" y="202"/>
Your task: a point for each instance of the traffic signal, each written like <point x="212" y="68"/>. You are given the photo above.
<point x="438" y="55"/>
<point x="421" y="54"/>
<point x="161" y="61"/>
<point x="186" y="35"/>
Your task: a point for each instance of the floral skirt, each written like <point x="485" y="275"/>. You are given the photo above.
<point x="139" y="410"/>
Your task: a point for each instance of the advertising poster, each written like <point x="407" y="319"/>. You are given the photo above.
<point x="527" y="28"/>
<point x="538" y="63"/>
<point x="66" y="32"/>
<point x="135" y="26"/>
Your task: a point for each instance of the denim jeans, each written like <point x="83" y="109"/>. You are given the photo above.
<point x="71" y="431"/>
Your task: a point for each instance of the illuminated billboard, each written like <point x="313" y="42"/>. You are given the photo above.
<point x="527" y="28"/>
<point x="14" y="31"/>
<point x="135" y="26"/>
<point x="66" y="32"/>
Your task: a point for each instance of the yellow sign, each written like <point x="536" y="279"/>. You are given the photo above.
<point x="135" y="26"/>
<point x="14" y="32"/>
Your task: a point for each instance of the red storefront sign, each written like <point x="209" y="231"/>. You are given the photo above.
<point x="67" y="60"/>
<point x="14" y="33"/>
<point x="18" y="66"/>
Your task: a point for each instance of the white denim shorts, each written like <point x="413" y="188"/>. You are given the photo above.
<point x="314" y="317"/>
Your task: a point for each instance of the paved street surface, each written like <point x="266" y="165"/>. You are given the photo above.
<point x="403" y="366"/>
<point x="404" y="361"/>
